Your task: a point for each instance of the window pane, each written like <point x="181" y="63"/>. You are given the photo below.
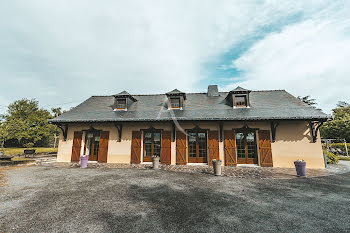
<point x="240" y="145"/>
<point x="192" y="144"/>
<point x="202" y="145"/>
<point x="251" y="145"/>
<point x="148" y="144"/>
<point x="240" y="101"/>
<point x="121" y="103"/>
<point x="156" y="144"/>
<point x="175" y="102"/>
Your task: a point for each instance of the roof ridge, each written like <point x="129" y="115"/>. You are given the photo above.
<point x="189" y="93"/>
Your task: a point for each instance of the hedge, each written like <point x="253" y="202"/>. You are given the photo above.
<point x="331" y="158"/>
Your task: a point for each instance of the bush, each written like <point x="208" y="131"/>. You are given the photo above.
<point x="331" y="158"/>
<point x="29" y="145"/>
<point x="340" y="146"/>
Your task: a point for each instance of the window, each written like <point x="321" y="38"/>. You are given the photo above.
<point x="92" y="145"/>
<point x="241" y="101"/>
<point x="121" y="103"/>
<point x="175" y="102"/>
<point x="197" y="147"/>
<point x="246" y="147"/>
<point x="152" y="145"/>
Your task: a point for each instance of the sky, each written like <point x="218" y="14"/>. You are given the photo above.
<point x="63" y="52"/>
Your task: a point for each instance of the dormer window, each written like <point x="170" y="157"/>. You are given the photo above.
<point x="238" y="98"/>
<point x="176" y="99"/>
<point x="175" y="102"/>
<point x="241" y="101"/>
<point x="121" y="103"/>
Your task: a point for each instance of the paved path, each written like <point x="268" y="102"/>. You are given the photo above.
<point x="51" y="199"/>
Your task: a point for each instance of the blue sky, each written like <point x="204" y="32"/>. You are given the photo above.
<point x="62" y="52"/>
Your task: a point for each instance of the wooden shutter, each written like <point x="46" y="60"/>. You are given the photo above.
<point x="165" y="152"/>
<point x="230" y="148"/>
<point x="180" y="148"/>
<point x="103" y="148"/>
<point x="213" y="146"/>
<point x="76" y="146"/>
<point x="265" y="148"/>
<point x="136" y="147"/>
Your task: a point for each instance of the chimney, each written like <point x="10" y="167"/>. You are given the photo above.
<point x="213" y="90"/>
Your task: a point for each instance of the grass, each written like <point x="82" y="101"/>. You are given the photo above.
<point x="344" y="158"/>
<point x="17" y="151"/>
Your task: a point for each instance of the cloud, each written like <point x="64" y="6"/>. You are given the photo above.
<point x="58" y="51"/>
<point x="310" y="57"/>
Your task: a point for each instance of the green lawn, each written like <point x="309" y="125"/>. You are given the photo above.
<point x="16" y="151"/>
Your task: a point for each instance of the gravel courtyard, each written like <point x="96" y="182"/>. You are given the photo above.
<point x="51" y="199"/>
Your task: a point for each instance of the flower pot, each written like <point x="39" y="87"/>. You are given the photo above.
<point x="300" y="167"/>
<point x="155" y="161"/>
<point x="217" y="167"/>
<point x="83" y="161"/>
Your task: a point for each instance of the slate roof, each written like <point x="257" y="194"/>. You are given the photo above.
<point x="175" y="92"/>
<point x="122" y="93"/>
<point x="240" y="89"/>
<point x="265" y="105"/>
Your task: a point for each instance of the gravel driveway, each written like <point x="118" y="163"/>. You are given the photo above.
<point x="50" y="199"/>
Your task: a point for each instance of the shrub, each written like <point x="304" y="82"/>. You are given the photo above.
<point x="340" y="146"/>
<point x="29" y="145"/>
<point x="331" y="158"/>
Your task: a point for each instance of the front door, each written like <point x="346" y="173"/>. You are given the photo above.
<point x="151" y="145"/>
<point x="197" y="147"/>
<point x="92" y="145"/>
<point x="246" y="148"/>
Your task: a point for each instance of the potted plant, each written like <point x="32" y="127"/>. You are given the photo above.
<point x="300" y="167"/>
<point x="155" y="161"/>
<point x="217" y="167"/>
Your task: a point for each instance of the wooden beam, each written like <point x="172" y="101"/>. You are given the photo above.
<point x="64" y="131"/>
<point x="273" y="125"/>
<point x="174" y="132"/>
<point x="314" y="128"/>
<point x="120" y="131"/>
<point x="221" y="126"/>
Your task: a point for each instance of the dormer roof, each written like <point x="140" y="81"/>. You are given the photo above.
<point x="239" y="90"/>
<point x="125" y="94"/>
<point x="176" y="92"/>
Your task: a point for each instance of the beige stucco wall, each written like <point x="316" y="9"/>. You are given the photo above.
<point x="293" y="141"/>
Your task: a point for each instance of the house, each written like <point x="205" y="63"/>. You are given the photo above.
<point x="265" y="128"/>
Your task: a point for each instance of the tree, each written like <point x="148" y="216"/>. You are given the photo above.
<point x="340" y="126"/>
<point x="342" y="104"/>
<point x="307" y="100"/>
<point x="27" y="123"/>
<point x="4" y="135"/>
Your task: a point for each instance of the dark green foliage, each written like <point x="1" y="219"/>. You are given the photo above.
<point x="26" y="123"/>
<point x="307" y="100"/>
<point x="331" y="158"/>
<point x="340" y="126"/>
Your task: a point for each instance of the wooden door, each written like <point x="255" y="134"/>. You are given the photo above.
<point x="136" y="147"/>
<point x="230" y="148"/>
<point x="180" y="148"/>
<point x="165" y="154"/>
<point x="265" y="148"/>
<point x="76" y="146"/>
<point x="213" y="146"/>
<point x="103" y="147"/>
